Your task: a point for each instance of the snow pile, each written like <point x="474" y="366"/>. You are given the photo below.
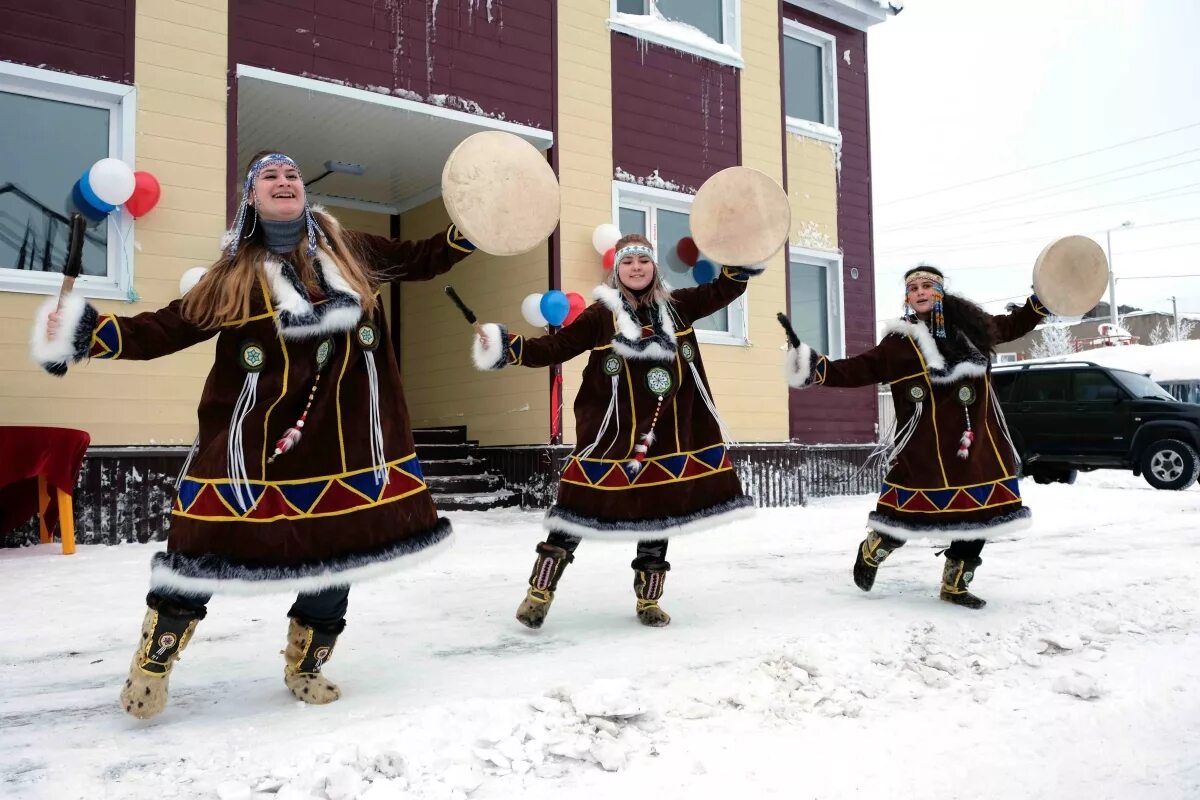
<point x="672" y="33"/>
<point x="1172" y="361"/>
<point x="653" y="180"/>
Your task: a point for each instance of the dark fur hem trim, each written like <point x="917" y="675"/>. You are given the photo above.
<point x="994" y="528"/>
<point x="566" y="521"/>
<point x="210" y="573"/>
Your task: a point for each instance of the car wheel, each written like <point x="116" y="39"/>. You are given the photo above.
<point x="1170" y="464"/>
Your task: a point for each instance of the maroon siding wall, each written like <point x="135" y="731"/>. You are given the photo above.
<point x="503" y="65"/>
<point x="84" y="37"/>
<point x="847" y="415"/>
<point x="673" y="112"/>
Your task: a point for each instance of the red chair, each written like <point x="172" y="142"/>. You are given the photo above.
<point x="34" y="461"/>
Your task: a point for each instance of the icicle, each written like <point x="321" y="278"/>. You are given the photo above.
<point x="712" y="407"/>
<point x="235" y="453"/>
<point x="377" y="454"/>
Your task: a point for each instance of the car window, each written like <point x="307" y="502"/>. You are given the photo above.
<point x="1046" y="385"/>
<point x="1141" y="386"/>
<point x="1002" y="385"/>
<point x="1090" y="385"/>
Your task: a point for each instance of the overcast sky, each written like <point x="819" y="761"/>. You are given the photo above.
<point x="965" y="90"/>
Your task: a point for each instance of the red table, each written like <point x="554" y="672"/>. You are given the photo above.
<point x="34" y="461"/>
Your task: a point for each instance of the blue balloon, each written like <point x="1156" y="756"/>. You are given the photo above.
<point x="704" y="272"/>
<point x="85" y="188"/>
<point x="83" y="206"/>
<point x="555" y="307"/>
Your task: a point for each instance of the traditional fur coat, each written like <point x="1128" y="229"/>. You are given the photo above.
<point x="642" y="374"/>
<point x="349" y="501"/>
<point x="941" y="389"/>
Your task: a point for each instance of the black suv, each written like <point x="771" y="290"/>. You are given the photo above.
<point x="1076" y="415"/>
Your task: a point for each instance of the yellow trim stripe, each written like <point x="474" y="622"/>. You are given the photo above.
<point x="647" y="485"/>
<point x="417" y="490"/>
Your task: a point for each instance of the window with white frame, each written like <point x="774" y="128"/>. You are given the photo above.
<point x="815" y="300"/>
<point x="709" y="28"/>
<point x="1004" y="358"/>
<point x="810" y="81"/>
<point x="55" y="127"/>
<point x="663" y="217"/>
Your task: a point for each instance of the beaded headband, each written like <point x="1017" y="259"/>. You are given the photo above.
<point x="633" y="250"/>
<point x="310" y="222"/>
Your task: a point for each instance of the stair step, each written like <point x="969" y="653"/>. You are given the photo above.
<point x="436" y="467"/>
<point x="460" y="484"/>
<point x="477" y="501"/>
<point x="443" y="452"/>
<point x="456" y="434"/>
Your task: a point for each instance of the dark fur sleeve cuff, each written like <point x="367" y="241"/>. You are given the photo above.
<point x="804" y="367"/>
<point x="74" y="339"/>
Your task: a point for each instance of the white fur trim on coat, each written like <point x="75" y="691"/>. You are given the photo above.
<point x="74" y="333"/>
<point x="629" y="330"/>
<point x="495" y="354"/>
<point x="308" y="321"/>
<point x="558" y="519"/>
<point x="1020" y="520"/>
<point x="798" y="366"/>
<point x="935" y="362"/>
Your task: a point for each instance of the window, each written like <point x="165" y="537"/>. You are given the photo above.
<point x="1002" y="385"/>
<point x="815" y="300"/>
<point x="1093" y="385"/>
<point x="663" y="218"/>
<point x="708" y="28"/>
<point x="810" y="81"/>
<point x="1046" y="386"/>
<point x="1004" y="358"/>
<point x="55" y="127"/>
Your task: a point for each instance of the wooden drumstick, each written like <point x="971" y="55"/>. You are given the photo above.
<point x="74" y="263"/>
<point x="792" y="338"/>
<point x="466" y="312"/>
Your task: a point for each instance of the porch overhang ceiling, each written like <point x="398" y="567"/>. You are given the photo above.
<point x="401" y="144"/>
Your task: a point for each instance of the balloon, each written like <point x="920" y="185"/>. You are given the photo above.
<point x="605" y="236"/>
<point x="577" y="305"/>
<point x="704" y="272"/>
<point x="145" y="195"/>
<point x="610" y="257"/>
<point x="83" y="206"/>
<point x="190" y="279"/>
<point x="89" y="196"/>
<point x="531" y="310"/>
<point x="112" y="180"/>
<point x="687" y="251"/>
<point x="555" y="306"/>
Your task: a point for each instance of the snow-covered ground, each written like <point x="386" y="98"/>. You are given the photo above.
<point x="777" y="678"/>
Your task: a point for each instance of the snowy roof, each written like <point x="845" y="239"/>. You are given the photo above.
<point x="1173" y="361"/>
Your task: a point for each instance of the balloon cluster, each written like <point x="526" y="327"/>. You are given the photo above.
<point x="703" y="270"/>
<point x="109" y="183"/>
<point x="552" y="308"/>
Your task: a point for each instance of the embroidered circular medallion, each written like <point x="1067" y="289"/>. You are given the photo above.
<point x="612" y="365"/>
<point x="687" y="351"/>
<point x="324" y="353"/>
<point x="916" y="392"/>
<point x="367" y="336"/>
<point x="252" y="356"/>
<point x="658" y="381"/>
<point x="966" y="394"/>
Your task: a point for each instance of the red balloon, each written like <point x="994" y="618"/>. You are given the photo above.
<point x="687" y="251"/>
<point x="578" y="304"/>
<point x="146" y="192"/>
<point x="610" y="257"/>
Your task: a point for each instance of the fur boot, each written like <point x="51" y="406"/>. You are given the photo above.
<point x="956" y="576"/>
<point x="543" y="582"/>
<point x="308" y="650"/>
<point x="871" y="553"/>
<point x="166" y="631"/>
<point x="649" y="578"/>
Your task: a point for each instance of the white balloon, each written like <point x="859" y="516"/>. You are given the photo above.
<point x="112" y="180"/>
<point x="531" y="310"/>
<point x="604" y="237"/>
<point x="190" y="279"/>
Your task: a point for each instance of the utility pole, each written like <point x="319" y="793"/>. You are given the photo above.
<point x="1112" y="278"/>
<point x="1175" y="314"/>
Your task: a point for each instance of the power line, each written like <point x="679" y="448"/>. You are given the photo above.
<point x="1153" y="249"/>
<point x="1043" y="164"/>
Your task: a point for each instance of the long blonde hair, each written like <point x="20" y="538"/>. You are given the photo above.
<point x="658" y="291"/>
<point x="223" y="296"/>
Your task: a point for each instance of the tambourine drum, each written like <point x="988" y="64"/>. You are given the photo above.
<point x="740" y="217"/>
<point x="1071" y="275"/>
<point x="501" y="193"/>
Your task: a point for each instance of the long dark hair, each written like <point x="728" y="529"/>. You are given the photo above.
<point x="975" y="323"/>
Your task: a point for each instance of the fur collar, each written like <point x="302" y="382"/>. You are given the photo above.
<point x="968" y="363"/>
<point x="296" y="315"/>
<point x="627" y="339"/>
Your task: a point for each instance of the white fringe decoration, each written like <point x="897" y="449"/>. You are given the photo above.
<point x="377" y="455"/>
<point x="187" y="462"/>
<point x="235" y="452"/>
<point x="609" y="414"/>
<point x="1004" y="428"/>
<point x="904" y="435"/>
<point x="712" y="407"/>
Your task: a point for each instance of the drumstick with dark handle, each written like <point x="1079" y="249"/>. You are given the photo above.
<point x="792" y="338"/>
<point x="74" y="263"/>
<point x="466" y="312"/>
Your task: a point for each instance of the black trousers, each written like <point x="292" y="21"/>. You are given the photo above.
<point x="325" y="609"/>
<point x="650" y="553"/>
<point x="959" y="549"/>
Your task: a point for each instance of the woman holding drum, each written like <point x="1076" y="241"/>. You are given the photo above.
<point x="304" y="476"/>
<point x="952" y="470"/>
<point x="651" y="459"/>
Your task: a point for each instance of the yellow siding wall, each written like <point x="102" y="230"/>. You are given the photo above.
<point x="746" y="381"/>
<point x="585" y="164"/>
<point x="441" y="384"/>
<point x="812" y="189"/>
<point x="180" y="53"/>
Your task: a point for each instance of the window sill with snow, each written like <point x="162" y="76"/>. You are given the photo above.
<point x="676" y="35"/>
